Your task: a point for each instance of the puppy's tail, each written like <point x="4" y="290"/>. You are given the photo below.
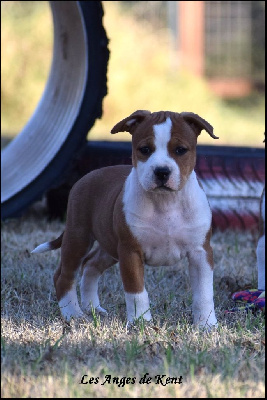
<point x="53" y="245"/>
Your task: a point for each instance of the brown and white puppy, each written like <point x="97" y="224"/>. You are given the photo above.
<point x="153" y="213"/>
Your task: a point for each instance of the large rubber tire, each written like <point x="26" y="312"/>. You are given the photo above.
<point x="71" y="102"/>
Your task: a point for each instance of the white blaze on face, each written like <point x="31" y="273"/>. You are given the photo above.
<point x="159" y="158"/>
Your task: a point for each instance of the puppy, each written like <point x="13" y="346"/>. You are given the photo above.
<point x="153" y="212"/>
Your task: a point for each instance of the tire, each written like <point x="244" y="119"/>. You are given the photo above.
<point x="72" y="100"/>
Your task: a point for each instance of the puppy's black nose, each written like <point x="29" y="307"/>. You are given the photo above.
<point x="162" y="174"/>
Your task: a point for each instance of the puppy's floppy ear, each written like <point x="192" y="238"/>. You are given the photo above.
<point x="197" y="123"/>
<point x="129" y="124"/>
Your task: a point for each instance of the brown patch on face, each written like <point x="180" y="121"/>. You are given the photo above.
<point x="143" y="149"/>
<point x="182" y="147"/>
<point x="143" y="134"/>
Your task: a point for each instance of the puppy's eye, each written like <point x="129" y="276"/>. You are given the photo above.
<point x="145" y="150"/>
<point x="180" y="151"/>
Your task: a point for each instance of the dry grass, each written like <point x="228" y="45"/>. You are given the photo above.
<point x="39" y="360"/>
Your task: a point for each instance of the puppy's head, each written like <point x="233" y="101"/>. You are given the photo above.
<point x="163" y="146"/>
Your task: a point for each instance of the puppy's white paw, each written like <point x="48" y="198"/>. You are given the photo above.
<point x="69" y="307"/>
<point x="71" y="312"/>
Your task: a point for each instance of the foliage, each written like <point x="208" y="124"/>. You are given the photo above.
<point x="26" y="54"/>
<point x="143" y="73"/>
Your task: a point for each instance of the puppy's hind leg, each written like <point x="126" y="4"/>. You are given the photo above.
<point x="73" y="252"/>
<point x="94" y="265"/>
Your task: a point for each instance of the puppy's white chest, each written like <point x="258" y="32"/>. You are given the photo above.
<point x="160" y="236"/>
<point x="166" y="225"/>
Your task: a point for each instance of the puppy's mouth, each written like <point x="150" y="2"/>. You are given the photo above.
<point x="163" y="188"/>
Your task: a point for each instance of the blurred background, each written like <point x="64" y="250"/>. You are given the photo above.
<point x="207" y="57"/>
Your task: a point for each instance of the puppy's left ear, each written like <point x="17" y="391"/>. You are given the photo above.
<point x="128" y="124"/>
<point x="197" y="123"/>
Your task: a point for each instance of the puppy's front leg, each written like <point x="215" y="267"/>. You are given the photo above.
<point x="201" y="276"/>
<point x="132" y="273"/>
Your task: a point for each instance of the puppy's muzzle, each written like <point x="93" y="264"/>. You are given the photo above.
<point x="162" y="175"/>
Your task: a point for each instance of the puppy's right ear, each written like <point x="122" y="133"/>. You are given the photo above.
<point x="129" y="124"/>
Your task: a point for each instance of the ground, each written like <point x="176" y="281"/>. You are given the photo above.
<point x="99" y="357"/>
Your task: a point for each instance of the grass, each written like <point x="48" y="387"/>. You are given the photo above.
<point x="41" y="358"/>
